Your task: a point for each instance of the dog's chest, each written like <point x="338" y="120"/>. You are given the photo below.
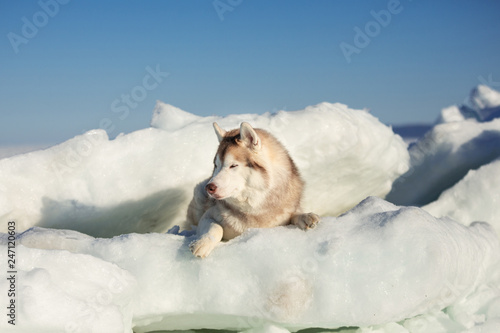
<point x="234" y="223"/>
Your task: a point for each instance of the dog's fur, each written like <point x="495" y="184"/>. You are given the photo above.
<point x="255" y="184"/>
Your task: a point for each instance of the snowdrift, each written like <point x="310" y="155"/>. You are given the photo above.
<point x="465" y="138"/>
<point x="483" y="105"/>
<point x="486" y="102"/>
<point x="443" y="157"/>
<point x="143" y="181"/>
<point x="377" y="264"/>
<point x="475" y="198"/>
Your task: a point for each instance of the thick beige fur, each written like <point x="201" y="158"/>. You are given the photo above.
<point x="255" y="184"/>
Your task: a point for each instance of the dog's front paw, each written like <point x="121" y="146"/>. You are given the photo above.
<point x="306" y="221"/>
<point x="202" y="246"/>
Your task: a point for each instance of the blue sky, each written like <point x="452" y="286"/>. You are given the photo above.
<point x="74" y="70"/>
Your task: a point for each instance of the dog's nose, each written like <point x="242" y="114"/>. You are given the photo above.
<point x="211" y="188"/>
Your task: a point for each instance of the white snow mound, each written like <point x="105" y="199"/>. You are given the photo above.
<point x="483" y="105"/>
<point x="475" y="198"/>
<point x="485" y="100"/>
<point x="143" y="181"/>
<point x="375" y="265"/>
<point x="443" y="157"/>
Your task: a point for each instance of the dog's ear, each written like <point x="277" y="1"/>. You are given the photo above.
<point x="219" y="131"/>
<point x="249" y="136"/>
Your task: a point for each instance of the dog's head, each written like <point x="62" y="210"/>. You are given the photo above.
<point x="239" y="165"/>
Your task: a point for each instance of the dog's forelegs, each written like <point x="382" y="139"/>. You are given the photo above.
<point x="305" y="221"/>
<point x="209" y="234"/>
<point x="198" y="204"/>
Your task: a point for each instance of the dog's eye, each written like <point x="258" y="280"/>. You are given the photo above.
<point x="233" y="166"/>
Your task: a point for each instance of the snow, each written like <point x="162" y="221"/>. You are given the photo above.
<point x="455" y="113"/>
<point x="486" y="102"/>
<point x="380" y="267"/>
<point x="143" y="181"/>
<point x="483" y="105"/>
<point x="377" y="264"/>
<point x="443" y="156"/>
<point x="474" y="198"/>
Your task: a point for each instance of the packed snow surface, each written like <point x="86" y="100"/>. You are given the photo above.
<point x="143" y="181"/>
<point x="378" y="263"/>
<point x="475" y="198"/>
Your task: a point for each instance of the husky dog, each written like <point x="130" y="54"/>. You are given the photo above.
<point x="255" y="184"/>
